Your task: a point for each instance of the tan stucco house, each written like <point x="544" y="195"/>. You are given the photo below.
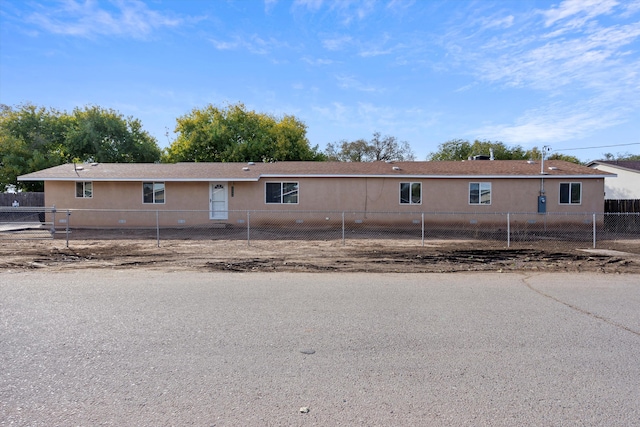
<point x="223" y="192"/>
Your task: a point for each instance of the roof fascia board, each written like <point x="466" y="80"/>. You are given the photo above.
<point x="616" y="167"/>
<point x="609" y="175"/>
<point x="298" y="176"/>
<point x="80" y="178"/>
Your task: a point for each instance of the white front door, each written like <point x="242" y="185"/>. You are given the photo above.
<point x="218" y="201"/>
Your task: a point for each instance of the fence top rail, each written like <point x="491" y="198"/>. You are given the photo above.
<point x="27" y="209"/>
<point x="5" y="209"/>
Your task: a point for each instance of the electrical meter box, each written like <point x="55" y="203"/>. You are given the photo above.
<point x="542" y="204"/>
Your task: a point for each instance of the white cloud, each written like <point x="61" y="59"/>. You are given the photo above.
<point x="337" y="43"/>
<point x="366" y="118"/>
<point x="345" y="11"/>
<point x="309" y="4"/>
<point x="583" y="68"/>
<point x="378" y="47"/>
<point x="336" y="112"/>
<point x="351" y="83"/>
<point x="400" y="5"/>
<point x="631" y="7"/>
<point x="493" y="22"/>
<point x="553" y="123"/>
<point x="576" y="13"/>
<point x="269" y="5"/>
<point x="375" y="52"/>
<point x="130" y="18"/>
<point x="560" y="61"/>
<point x="252" y="43"/>
<point x="224" y="45"/>
<point x="317" y="61"/>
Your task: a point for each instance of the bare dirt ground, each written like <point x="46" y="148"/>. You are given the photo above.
<point x="367" y="255"/>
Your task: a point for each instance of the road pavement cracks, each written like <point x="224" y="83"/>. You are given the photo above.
<point x="141" y="347"/>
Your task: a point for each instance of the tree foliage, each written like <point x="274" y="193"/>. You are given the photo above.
<point x="34" y="138"/>
<point x="379" y="148"/>
<point x="621" y="156"/>
<point x="566" y="158"/>
<point x="461" y="149"/>
<point x="234" y="134"/>
<point x="103" y="135"/>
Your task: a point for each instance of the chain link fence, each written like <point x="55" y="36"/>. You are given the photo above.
<point x="28" y="223"/>
<point x="258" y="228"/>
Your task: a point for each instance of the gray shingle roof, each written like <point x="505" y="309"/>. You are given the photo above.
<point x="253" y="172"/>
<point x="633" y="165"/>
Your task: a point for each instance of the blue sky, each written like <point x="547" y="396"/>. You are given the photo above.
<point x="560" y="73"/>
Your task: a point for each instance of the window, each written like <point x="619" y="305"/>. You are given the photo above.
<point x="570" y="193"/>
<point x="410" y="193"/>
<point x="282" y="192"/>
<point x="479" y="193"/>
<point x="153" y="192"/>
<point x="84" y="190"/>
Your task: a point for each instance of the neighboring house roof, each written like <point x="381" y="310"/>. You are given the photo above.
<point x="481" y="169"/>
<point x="627" y="184"/>
<point x="628" y="165"/>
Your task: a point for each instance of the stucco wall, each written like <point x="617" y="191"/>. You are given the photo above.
<point x="625" y="186"/>
<point x="438" y="195"/>
<point x="113" y="202"/>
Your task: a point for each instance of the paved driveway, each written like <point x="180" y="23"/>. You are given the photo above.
<point x="136" y="347"/>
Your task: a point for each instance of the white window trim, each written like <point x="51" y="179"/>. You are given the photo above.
<point x="84" y="184"/>
<point x="480" y="194"/>
<point x="410" y="186"/>
<point x="154" y="193"/>
<point x="297" y="183"/>
<point x="569" y="203"/>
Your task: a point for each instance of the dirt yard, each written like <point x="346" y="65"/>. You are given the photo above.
<point x="407" y="256"/>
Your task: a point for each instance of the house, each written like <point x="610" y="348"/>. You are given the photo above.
<point x="224" y="192"/>
<point x="627" y="184"/>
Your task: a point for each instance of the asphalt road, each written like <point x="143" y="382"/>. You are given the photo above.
<point x="145" y="348"/>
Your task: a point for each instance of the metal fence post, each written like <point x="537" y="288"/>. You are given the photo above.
<point x="158" y="227"/>
<point x="343" y="243"/>
<point x="594" y="231"/>
<point x="422" y="229"/>
<point x="53" y="221"/>
<point x="248" y="228"/>
<point x="508" y="230"/>
<point x="68" y="216"/>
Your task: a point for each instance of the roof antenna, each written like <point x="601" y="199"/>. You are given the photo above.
<point x="545" y="149"/>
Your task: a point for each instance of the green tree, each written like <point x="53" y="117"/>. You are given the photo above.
<point x="500" y="150"/>
<point x="31" y="138"/>
<point x="346" y="151"/>
<point x="379" y="148"/>
<point x="34" y="138"/>
<point x="455" y="149"/>
<point x="461" y="149"/>
<point x="566" y="158"/>
<point x="621" y="156"/>
<point x="104" y="135"/>
<point x="389" y="148"/>
<point x="233" y="134"/>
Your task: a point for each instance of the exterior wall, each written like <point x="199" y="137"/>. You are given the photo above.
<point x="625" y="186"/>
<point x="438" y="195"/>
<point x="113" y="202"/>
<point x="119" y="204"/>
